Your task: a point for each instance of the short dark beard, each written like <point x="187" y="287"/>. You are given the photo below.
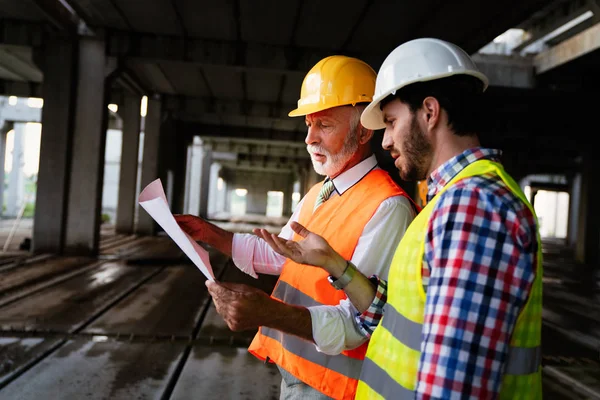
<point x="417" y="150"/>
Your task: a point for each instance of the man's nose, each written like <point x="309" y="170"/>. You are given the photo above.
<point x="312" y="136"/>
<point x="387" y="143"/>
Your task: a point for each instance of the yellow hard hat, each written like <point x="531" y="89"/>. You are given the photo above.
<point x="335" y="81"/>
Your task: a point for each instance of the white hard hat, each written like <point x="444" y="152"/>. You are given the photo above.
<point x="417" y="60"/>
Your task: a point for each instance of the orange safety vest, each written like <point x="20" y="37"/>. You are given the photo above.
<point x="340" y="220"/>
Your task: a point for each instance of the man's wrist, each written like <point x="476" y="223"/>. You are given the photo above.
<point x="337" y="266"/>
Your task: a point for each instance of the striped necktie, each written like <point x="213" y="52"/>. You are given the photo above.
<point x="324" y="193"/>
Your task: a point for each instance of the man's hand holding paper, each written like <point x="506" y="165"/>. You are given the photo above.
<point x="154" y="201"/>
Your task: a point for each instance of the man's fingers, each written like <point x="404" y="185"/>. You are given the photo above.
<point x="282" y="245"/>
<point x="267" y="237"/>
<point x="299" y="229"/>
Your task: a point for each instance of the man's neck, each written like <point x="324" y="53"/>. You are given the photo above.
<point x="451" y="147"/>
<point x="356" y="159"/>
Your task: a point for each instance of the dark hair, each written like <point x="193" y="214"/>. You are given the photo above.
<point x="459" y="95"/>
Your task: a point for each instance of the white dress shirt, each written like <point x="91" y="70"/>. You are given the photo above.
<point x="333" y="327"/>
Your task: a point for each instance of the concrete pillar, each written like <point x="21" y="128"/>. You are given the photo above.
<point x="57" y="61"/>
<point x="145" y="224"/>
<point x="205" y="180"/>
<point x="5" y="127"/>
<point x="228" y="190"/>
<point x="587" y="248"/>
<point x="213" y="190"/>
<point x="130" y="112"/>
<point x="194" y="177"/>
<point x="188" y="176"/>
<point x="256" y="200"/>
<point x="221" y="194"/>
<point x="179" y="172"/>
<point x="14" y="198"/>
<point x="287" y="196"/>
<point x="89" y="142"/>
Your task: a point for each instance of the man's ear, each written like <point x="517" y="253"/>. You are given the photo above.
<point x="431" y="111"/>
<point x="365" y="135"/>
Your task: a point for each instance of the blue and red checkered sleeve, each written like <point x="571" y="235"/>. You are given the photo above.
<point x="368" y="320"/>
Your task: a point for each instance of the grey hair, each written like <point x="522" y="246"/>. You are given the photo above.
<point x="355" y="119"/>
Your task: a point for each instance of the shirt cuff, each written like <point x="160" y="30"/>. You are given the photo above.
<point x="368" y="320"/>
<point x="242" y="252"/>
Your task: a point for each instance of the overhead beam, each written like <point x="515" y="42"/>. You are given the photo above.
<point x="190" y="106"/>
<point x="196" y="129"/>
<point x="22" y="68"/>
<point x="60" y="14"/>
<point x="21" y="33"/>
<point x="269" y="166"/>
<point x="552" y="20"/>
<point x="569" y="50"/>
<point x="253" y="147"/>
<point x="241" y="55"/>
<point x="507" y="71"/>
<point x="20" y="89"/>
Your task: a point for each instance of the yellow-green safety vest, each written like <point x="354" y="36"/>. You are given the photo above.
<point x="391" y="365"/>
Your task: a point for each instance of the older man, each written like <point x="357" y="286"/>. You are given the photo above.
<point x="358" y="208"/>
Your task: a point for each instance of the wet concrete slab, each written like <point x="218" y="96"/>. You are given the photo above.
<point x="99" y="368"/>
<point x="214" y="330"/>
<point x="225" y="372"/>
<point x="169" y="304"/>
<point x="64" y="307"/>
<point x="22" y="276"/>
<point x="16" y="353"/>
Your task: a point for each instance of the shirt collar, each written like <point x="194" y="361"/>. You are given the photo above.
<point x="349" y="178"/>
<point x="448" y="170"/>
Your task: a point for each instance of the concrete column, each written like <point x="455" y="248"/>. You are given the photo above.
<point x="256" y="200"/>
<point x="188" y="175"/>
<point x="205" y="180"/>
<point x="179" y="171"/>
<point x="228" y="189"/>
<point x="130" y="112"/>
<point x="167" y="157"/>
<point x="287" y="196"/>
<point x="14" y="198"/>
<point x="587" y="248"/>
<point x="5" y="127"/>
<point x="58" y="63"/>
<point x="194" y="167"/>
<point x="145" y="224"/>
<point x="89" y="142"/>
<point x="222" y="197"/>
<point x="213" y="191"/>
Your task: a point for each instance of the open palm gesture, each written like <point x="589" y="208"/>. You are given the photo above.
<point x="311" y="250"/>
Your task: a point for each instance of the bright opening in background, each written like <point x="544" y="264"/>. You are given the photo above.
<point x="35" y="102"/>
<point x="144" y="106"/>
<point x="552" y="210"/>
<point x="220" y="184"/>
<point x="274" y="204"/>
<point x="12" y="101"/>
<point x="238" y="201"/>
<point x="113" y="107"/>
<point x="295" y="200"/>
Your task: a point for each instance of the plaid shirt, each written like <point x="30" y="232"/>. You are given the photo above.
<point x="478" y="268"/>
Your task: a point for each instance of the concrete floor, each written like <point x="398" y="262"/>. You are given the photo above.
<point x="136" y="322"/>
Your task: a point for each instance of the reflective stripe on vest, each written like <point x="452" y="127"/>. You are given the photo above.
<point x="290" y="295"/>
<point x="521" y="360"/>
<point x="347" y="366"/>
<point x="390" y="375"/>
